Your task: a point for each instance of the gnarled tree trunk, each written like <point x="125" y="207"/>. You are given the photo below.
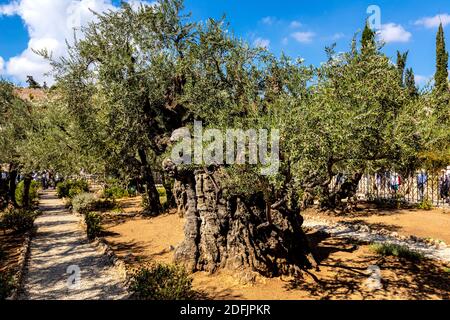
<point x="26" y="191"/>
<point x="348" y="190"/>
<point x="154" y="204"/>
<point x="234" y="233"/>
<point x="12" y="185"/>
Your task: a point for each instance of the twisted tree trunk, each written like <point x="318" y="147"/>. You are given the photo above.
<point x="26" y="191"/>
<point x="234" y="233"/>
<point x="348" y="190"/>
<point x="12" y="185"/>
<point x="151" y="193"/>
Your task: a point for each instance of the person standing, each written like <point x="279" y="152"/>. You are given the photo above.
<point x="422" y="180"/>
<point x="444" y="185"/>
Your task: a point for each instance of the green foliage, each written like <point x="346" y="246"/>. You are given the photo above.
<point x="34" y="189"/>
<point x="6" y="284"/>
<point x="162" y="195"/>
<point x="410" y="83"/>
<point x="115" y="192"/>
<point x="153" y="70"/>
<point x="93" y="224"/>
<point x="161" y="282"/>
<point x="441" y="76"/>
<point x="425" y="204"/>
<point x="368" y="42"/>
<point x="71" y="188"/>
<point x="447" y="270"/>
<point x="387" y="250"/>
<point x="83" y="203"/>
<point x="19" y="220"/>
<point x="401" y="65"/>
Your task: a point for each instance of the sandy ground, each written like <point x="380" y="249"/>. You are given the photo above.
<point x="425" y="224"/>
<point x="343" y="267"/>
<point x="61" y="243"/>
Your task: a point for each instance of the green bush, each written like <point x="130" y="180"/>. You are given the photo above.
<point x="6" y="284"/>
<point x="71" y="188"/>
<point x="116" y="192"/>
<point x="93" y="224"/>
<point x="19" y="220"/>
<point x="161" y="282"/>
<point x="34" y="188"/>
<point x="84" y="202"/>
<point x="395" y="250"/>
<point x="426" y="204"/>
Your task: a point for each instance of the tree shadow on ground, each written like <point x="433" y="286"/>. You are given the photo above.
<point x="345" y="276"/>
<point x="214" y="293"/>
<point x="375" y="225"/>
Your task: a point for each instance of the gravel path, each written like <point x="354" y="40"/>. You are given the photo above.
<point x="359" y="231"/>
<point x="58" y="250"/>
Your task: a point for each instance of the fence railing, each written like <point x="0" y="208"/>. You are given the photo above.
<point x="413" y="189"/>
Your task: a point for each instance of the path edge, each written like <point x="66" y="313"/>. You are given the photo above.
<point x="105" y="249"/>
<point x="22" y="264"/>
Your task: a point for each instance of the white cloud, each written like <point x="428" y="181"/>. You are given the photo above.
<point x="423" y="80"/>
<point x="2" y="64"/>
<point x="433" y="22"/>
<point x="303" y="37"/>
<point x="268" y="20"/>
<point x="295" y="24"/>
<point x="260" y="42"/>
<point x="49" y="23"/>
<point x="9" y="9"/>
<point x="338" y="36"/>
<point x="392" y="32"/>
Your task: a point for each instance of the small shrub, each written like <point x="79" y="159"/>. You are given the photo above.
<point x="116" y="192"/>
<point x="34" y="188"/>
<point x="104" y="205"/>
<point x="395" y="250"/>
<point x="94" y="225"/>
<point x="161" y="282"/>
<point x="162" y="195"/>
<point x="19" y="220"/>
<point x="6" y="284"/>
<point x="447" y="270"/>
<point x="425" y="204"/>
<point x="83" y="203"/>
<point x="71" y="188"/>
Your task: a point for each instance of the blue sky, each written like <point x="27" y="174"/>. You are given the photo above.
<point x="299" y="28"/>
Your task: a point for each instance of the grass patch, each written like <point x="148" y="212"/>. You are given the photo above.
<point x="394" y="250"/>
<point x="425" y="204"/>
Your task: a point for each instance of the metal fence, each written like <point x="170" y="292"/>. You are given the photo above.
<point x="413" y="189"/>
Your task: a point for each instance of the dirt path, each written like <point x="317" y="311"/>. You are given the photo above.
<point x="59" y="244"/>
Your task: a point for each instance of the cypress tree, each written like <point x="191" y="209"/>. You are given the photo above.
<point x="410" y="83"/>
<point x="368" y="43"/>
<point x="401" y="65"/>
<point x="441" y="76"/>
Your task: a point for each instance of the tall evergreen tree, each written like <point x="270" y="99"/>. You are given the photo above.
<point x="410" y="83"/>
<point x="441" y="76"/>
<point x="368" y="43"/>
<point x="401" y="65"/>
